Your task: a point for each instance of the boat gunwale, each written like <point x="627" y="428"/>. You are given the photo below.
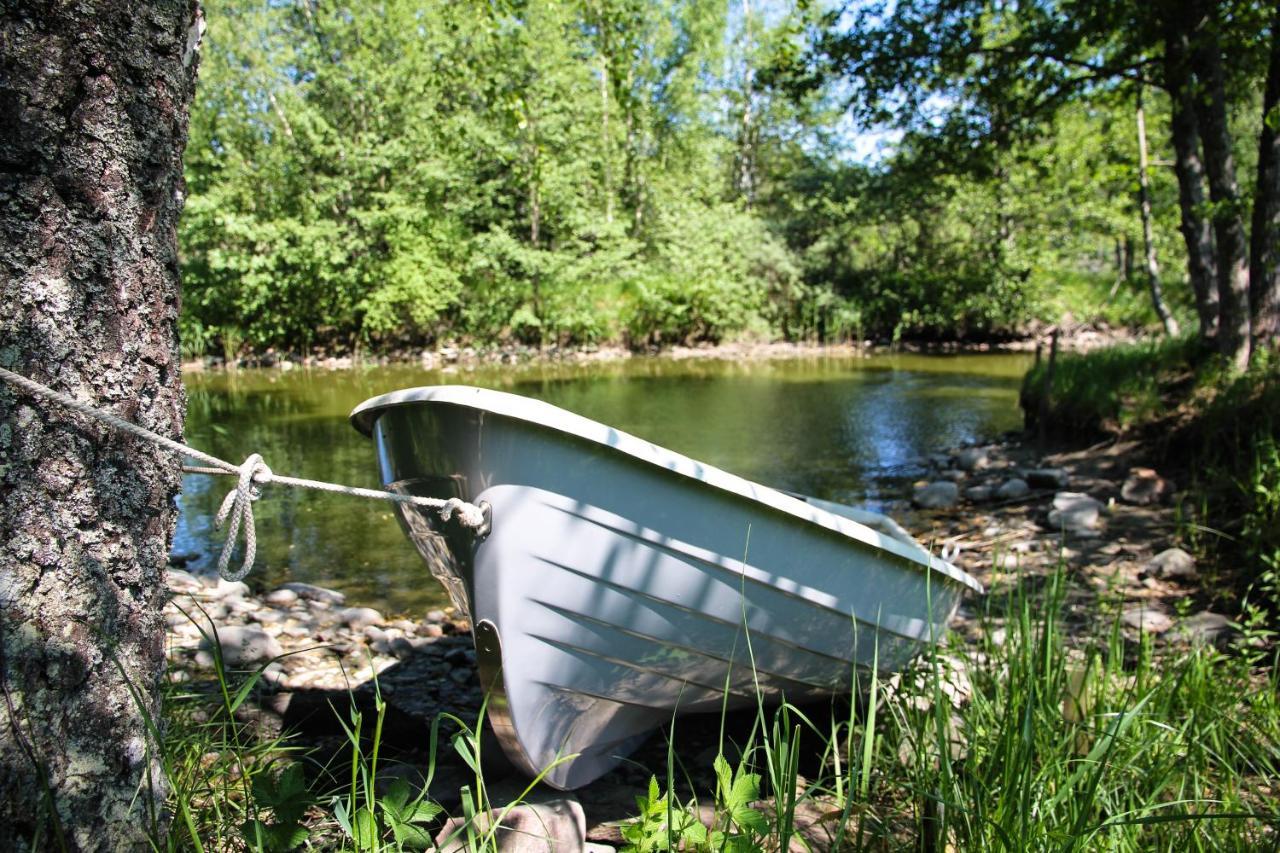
<point x="547" y="416"/>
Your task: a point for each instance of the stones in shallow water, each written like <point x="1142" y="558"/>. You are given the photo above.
<point x="937" y="495"/>
<point x="311" y="592"/>
<point x="1172" y="564"/>
<point x="978" y="494"/>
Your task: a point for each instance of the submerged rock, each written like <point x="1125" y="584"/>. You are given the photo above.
<point x="937" y="495"/>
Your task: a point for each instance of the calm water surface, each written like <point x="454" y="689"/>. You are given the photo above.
<point x="846" y="429"/>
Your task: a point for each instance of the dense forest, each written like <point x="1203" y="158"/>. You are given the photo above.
<point x="370" y="175"/>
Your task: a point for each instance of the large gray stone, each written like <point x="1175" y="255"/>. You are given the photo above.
<point x="311" y="592"/>
<point x="1013" y="489"/>
<point x="245" y="645"/>
<point x="973" y="458"/>
<point x="1203" y="628"/>
<point x="978" y="494"/>
<point x="1144" y="487"/>
<point x="1075" y="512"/>
<point x="940" y="494"/>
<point x="1173" y="564"/>
<point x="553" y="826"/>
<point x="1146" y="619"/>
<point x="358" y="618"/>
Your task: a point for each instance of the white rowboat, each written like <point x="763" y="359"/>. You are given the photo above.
<point x="618" y="582"/>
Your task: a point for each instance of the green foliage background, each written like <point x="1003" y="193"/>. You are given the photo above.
<point x="391" y="173"/>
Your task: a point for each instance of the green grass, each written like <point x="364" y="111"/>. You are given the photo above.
<point x="1032" y="738"/>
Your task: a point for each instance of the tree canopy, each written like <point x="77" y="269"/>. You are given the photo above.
<point x="695" y="170"/>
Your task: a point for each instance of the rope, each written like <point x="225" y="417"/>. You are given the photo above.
<point x="237" y="506"/>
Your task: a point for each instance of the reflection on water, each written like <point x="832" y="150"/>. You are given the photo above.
<point x="845" y="429"/>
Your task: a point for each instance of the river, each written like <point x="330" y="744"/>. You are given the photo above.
<point x="847" y="429"/>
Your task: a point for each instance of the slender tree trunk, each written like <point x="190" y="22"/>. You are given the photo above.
<point x="95" y="96"/>
<point x="1144" y="197"/>
<point x="1228" y="221"/>
<point x="1197" y="232"/>
<point x="1264" y="272"/>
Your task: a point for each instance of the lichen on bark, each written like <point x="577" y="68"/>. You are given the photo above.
<point x="95" y="98"/>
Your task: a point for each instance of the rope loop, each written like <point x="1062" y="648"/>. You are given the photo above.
<point x="237" y="506"/>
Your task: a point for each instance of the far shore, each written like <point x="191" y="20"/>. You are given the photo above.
<point x="1075" y="338"/>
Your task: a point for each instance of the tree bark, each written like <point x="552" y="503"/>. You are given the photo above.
<point x="1148" y="241"/>
<point x="1228" y="221"/>
<point x="1264" y="271"/>
<point x="94" y="96"/>
<point x="1197" y="233"/>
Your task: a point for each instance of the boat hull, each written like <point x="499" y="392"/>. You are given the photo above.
<point x="613" y="590"/>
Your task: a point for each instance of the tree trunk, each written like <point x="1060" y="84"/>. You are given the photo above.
<point x="1228" y="222"/>
<point x="94" y="96"/>
<point x="1264" y="272"/>
<point x="1148" y="241"/>
<point x="1197" y="233"/>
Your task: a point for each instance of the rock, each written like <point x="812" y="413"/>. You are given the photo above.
<point x="181" y="558"/>
<point x="552" y="826"/>
<point x="1013" y="489"/>
<point x="230" y="589"/>
<point x="937" y="495"/>
<point x="374" y="634"/>
<point x="973" y="459"/>
<point x="311" y="592"/>
<point x="358" y="618"/>
<point x="978" y="494"/>
<point x="436" y="616"/>
<point x="1146" y="619"/>
<point x="180" y="581"/>
<point x="244" y="645"/>
<point x="1173" y="564"/>
<point x="1144" y="487"/>
<point x="1075" y="512"/>
<point x="281" y="597"/>
<point x="1047" y="478"/>
<point x="274" y="674"/>
<point x="427" y="629"/>
<point x="266" y="616"/>
<point x="1203" y="628"/>
<point x="955" y="475"/>
<point x="460" y="676"/>
<point x="940" y="460"/>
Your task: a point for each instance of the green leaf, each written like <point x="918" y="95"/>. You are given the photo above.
<point x="366" y="829"/>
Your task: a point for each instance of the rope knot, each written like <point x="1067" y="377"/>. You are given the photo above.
<point x="238" y="506"/>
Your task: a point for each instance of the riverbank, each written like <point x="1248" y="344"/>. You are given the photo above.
<point x="1083" y="337"/>
<point x="1083" y="544"/>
